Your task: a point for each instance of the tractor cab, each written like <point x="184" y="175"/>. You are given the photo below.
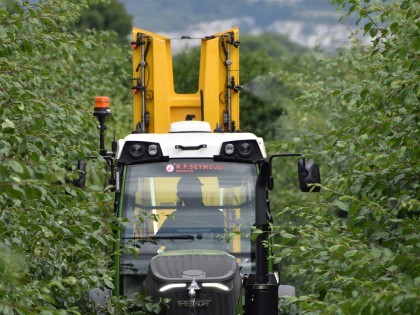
<point x="186" y="205"/>
<point x="186" y="200"/>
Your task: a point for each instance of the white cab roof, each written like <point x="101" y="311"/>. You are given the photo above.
<point x="184" y="135"/>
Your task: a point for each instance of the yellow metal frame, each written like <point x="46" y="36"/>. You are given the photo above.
<point x="166" y="106"/>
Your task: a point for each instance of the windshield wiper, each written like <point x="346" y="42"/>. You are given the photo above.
<point x="174" y="237"/>
<point x="154" y="238"/>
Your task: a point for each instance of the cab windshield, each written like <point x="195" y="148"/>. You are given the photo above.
<point x="186" y="204"/>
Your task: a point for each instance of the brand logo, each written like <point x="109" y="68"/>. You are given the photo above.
<point x="191" y="304"/>
<point x="195" y="167"/>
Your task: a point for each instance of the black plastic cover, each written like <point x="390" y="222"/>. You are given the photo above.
<point x="201" y="266"/>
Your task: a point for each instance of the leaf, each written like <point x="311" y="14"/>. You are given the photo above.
<point x="334" y="248"/>
<point x="373" y="32"/>
<point x="286" y="235"/>
<point x="109" y="283"/>
<point x="7" y="125"/>
<point x="343" y="206"/>
<point x="16" y="166"/>
<point x="394" y="27"/>
<point x="255" y="233"/>
<point x="69" y="190"/>
<point x="350" y="253"/>
<point x="352" y="8"/>
<point x="367" y="27"/>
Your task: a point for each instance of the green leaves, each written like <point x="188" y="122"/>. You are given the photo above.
<point x="355" y="252"/>
<point x="52" y="233"/>
<point x="136" y="304"/>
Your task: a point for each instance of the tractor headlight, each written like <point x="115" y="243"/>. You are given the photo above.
<point x="141" y="152"/>
<point x="136" y="150"/>
<point x="215" y="285"/>
<point x="229" y="148"/>
<point x="172" y="286"/>
<point x="152" y="149"/>
<point x="245" y="149"/>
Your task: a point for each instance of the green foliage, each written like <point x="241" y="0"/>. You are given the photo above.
<point x="186" y="68"/>
<point x="53" y="235"/>
<point x="265" y="97"/>
<point x="260" y="108"/>
<point x="356" y="246"/>
<point x="107" y="15"/>
<point x="136" y="305"/>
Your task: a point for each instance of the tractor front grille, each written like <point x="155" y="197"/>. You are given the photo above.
<point x="172" y="274"/>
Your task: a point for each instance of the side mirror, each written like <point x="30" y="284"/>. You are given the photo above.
<point x="308" y="172"/>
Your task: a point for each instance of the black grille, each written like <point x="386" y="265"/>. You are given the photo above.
<point x="209" y="267"/>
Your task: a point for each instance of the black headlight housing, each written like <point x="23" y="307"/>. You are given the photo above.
<point x="141" y="152"/>
<point x="247" y="151"/>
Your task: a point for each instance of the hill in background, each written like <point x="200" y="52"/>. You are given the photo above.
<point x="307" y="22"/>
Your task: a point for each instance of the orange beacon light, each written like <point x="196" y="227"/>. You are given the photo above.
<point x="101" y="111"/>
